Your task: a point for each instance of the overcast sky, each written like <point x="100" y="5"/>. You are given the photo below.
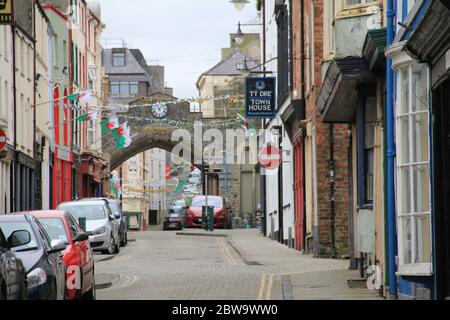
<point x="185" y="36"/>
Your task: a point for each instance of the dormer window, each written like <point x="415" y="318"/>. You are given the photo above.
<point x="240" y="66"/>
<point x="119" y="59"/>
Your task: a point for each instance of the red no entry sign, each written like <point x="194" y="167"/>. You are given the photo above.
<point x="2" y="140"/>
<point x="270" y="157"/>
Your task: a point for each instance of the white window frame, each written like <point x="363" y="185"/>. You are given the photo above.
<point x="412" y="268"/>
<point x="363" y="3"/>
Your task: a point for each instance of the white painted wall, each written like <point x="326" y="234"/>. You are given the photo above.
<point x="6" y="111"/>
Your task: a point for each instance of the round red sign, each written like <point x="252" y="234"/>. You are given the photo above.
<point x="270" y="157"/>
<point x="2" y="140"/>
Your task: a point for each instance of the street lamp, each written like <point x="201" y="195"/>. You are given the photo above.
<point x="239" y="35"/>
<point x="239" y="4"/>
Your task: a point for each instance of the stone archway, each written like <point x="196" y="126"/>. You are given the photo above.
<point x="147" y="135"/>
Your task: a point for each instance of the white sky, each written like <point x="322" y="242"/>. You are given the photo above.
<point x="185" y="36"/>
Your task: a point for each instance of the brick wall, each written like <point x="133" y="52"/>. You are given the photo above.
<point x="340" y="136"/>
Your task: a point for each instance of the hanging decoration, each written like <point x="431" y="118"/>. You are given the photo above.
<point x="247" y="126"/>
<point x="122" y="136"/>
<point x="90" y="116"/>
<point x="109" y="123"/>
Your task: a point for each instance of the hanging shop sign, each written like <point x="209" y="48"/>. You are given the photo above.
<point x="6" y="12"/>
<point x="260" y="97"/>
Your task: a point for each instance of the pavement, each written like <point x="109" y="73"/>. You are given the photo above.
<point x="221" y="265"/>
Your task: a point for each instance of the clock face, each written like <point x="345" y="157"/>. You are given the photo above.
<point x="159" y="110"/>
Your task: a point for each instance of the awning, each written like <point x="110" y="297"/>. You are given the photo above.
<point x="292" y="115"/>
<point x="431" y="39"/>
<point x="373" y="50"/>
<point x="339" y="93"/>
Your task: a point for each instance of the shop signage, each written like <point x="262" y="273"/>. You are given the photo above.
<point x="260" y="97"/>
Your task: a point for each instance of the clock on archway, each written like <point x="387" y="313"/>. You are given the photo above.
<point x="159" y="110"/>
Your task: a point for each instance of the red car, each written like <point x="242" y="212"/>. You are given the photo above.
<point x="78" y="256"/>
<point x="222" y="216"/>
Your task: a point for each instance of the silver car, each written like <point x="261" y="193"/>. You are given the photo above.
<point x="101" y="224"/>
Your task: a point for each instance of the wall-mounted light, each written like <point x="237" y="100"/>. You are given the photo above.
<point x="64" y="70"/>
<point x="239" y="4"/>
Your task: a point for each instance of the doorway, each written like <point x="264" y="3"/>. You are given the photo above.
<point x="441" y="161"/>
<point x="299" y="195"/>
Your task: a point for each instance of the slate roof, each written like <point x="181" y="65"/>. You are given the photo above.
<point x="133" y="69"/>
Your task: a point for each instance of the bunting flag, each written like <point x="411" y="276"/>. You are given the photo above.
<point x="88" y="117"/>
<point x="122" y="136"/>
<point x="109" y="123"/>
<point x="248" y="127"/>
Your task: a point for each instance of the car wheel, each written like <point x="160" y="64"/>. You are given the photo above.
<point x="112" y="245"/>
<point x="116" y="246"/>
<point x="2" y="290"/>
<point x="91" y="294"/>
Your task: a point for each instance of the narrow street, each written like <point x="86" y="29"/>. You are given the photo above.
<point x="169" y="266"/>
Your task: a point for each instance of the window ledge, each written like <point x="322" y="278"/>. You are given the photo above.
<point x="423" y="269"/>
<point x="358" y="10"/>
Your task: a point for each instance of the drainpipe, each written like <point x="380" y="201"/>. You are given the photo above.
<point x="14" y="164"/>
<point x="332" y="192"/>
<point x="392" y="239"/>
<point x="262" y="175"/>
<point x="302" y="80"/>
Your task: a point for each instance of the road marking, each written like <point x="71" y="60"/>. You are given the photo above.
<point x="269" y="287"/>
<point x="228" y="252"/>
<point x="230" y="259"/>
<point x="262" y="285"/>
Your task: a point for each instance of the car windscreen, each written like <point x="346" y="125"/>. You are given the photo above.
<point x="8" y="227"/>
<point x="215" y="202"/>
<point x="55" y="229"/>
<point x="88" y="211"/>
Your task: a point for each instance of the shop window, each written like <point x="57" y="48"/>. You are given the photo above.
<point x="413" y="168"/>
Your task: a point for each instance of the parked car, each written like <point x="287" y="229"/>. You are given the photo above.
<point x="42" y="258"/>
<point x="13" y="281"/>
<point x="62" y="226"/>
<point x="222" y="214"/>
<point x="101" y="224"/>
<point x="121" y="218"/>
<point x="173" y="220"/>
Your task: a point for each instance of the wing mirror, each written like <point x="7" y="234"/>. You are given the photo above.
<point x="81" y="237"/>
<point x="57" y="246"/>
<point x="19" y="238"/>
<point x="111" y="217"/>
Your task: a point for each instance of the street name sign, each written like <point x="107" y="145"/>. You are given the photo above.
<point x="260" y="97"/>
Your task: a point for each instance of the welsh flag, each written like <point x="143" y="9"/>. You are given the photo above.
<point x="122" y="136"/>
<point x="88" y="116"/>
<point x="248" y="127"/>
<point x="80" y="97"/>
<point x="109" y="123"/>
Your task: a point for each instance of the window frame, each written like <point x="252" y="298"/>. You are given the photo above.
<point x="114" y="59"/>
<point x="412" y="268"/>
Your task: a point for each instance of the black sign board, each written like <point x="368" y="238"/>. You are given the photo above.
<point x="6" y="12"/>
<point x="260" y="97"/>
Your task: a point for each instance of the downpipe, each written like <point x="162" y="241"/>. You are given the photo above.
<point x="392" y="237"/>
